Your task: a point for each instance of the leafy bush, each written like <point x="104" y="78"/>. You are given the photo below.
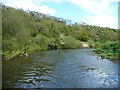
<point x="69" y="42"/>
<point x="109" y="49"/>
<point x="42" y="41"/>
<point x="84" y="37"/>
<point x="33" y="47"/>
<point x="79" y="44"/>
<point x="91" y="43"/>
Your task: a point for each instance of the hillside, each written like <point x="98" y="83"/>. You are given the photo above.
<point x="29" y="31"/>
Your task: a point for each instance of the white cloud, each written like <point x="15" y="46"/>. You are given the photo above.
<point x="34" y="5"/>
<point x="57" y="1"/>
<point x="103" y="20"/>
<point x="46" y="10"/>
<point x="101" y="12"/>
<point x="111" y="0"/>
<point x="87" y="5"/>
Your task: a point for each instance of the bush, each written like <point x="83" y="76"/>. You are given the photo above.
<point x="108" y="49"/>
<point x="84" y="37"/>
<point x="91" y="43"/>
<point x="79" y="44"/>
<point x="42" y="41"/>
<point x="69" y="42"/>
<point x="97" y="45"/>
<point x="33" y="47"/>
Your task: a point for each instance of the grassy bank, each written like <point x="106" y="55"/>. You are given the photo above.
<point x="109" y="50"/>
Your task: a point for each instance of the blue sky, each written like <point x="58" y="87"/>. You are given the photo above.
<point x="68" y="11"/>
<point x="102" y="13"/>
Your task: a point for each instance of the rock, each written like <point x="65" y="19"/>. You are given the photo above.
<point x="86" y="45"/>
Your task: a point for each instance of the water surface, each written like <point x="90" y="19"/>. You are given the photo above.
<point x="78" y="68"/>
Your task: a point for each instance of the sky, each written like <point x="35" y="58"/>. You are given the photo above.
<point x="102" y="13"/>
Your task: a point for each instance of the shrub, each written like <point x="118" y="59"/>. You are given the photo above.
<point x="84" y="37"/>
<point x="69" y="42"/>
<point x="91" y="43"/>
<point x="42" y="41"/>
<point x="33" y="47"/>
<point x="79" y="44"/>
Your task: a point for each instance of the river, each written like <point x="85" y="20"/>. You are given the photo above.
<point x="78" y="68"/>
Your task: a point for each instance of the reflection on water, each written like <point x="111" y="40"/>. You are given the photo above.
<point x="60" y="69"/>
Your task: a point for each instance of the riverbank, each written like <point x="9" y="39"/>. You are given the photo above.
<point x="108" y="50"/>
<point x="106" y="55"/>
<point x="32" y="31"/>
<point x="23" y="52"/>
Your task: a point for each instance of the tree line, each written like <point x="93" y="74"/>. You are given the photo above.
<point x="29" y="31"/>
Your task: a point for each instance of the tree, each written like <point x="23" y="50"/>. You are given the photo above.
<point x="84" y="37"/>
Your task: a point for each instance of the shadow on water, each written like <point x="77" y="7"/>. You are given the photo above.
<point x="25" y="72"/>
<point x="60" y="69"/>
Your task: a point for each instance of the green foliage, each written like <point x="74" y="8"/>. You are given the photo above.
<point x="79" y="44"/>
<point x="33" y="47"/>
<point x="109" y="49"/>
<point x="42" y="41"/>
<point x="84" y="37"/>
<point x="31" y="31"/>
<point x="69" y="42"/>
<point x="33" y="34"/>
<point x="91" y="43"/>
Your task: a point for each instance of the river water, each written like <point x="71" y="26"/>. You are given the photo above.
<point x="78" y="68"/>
